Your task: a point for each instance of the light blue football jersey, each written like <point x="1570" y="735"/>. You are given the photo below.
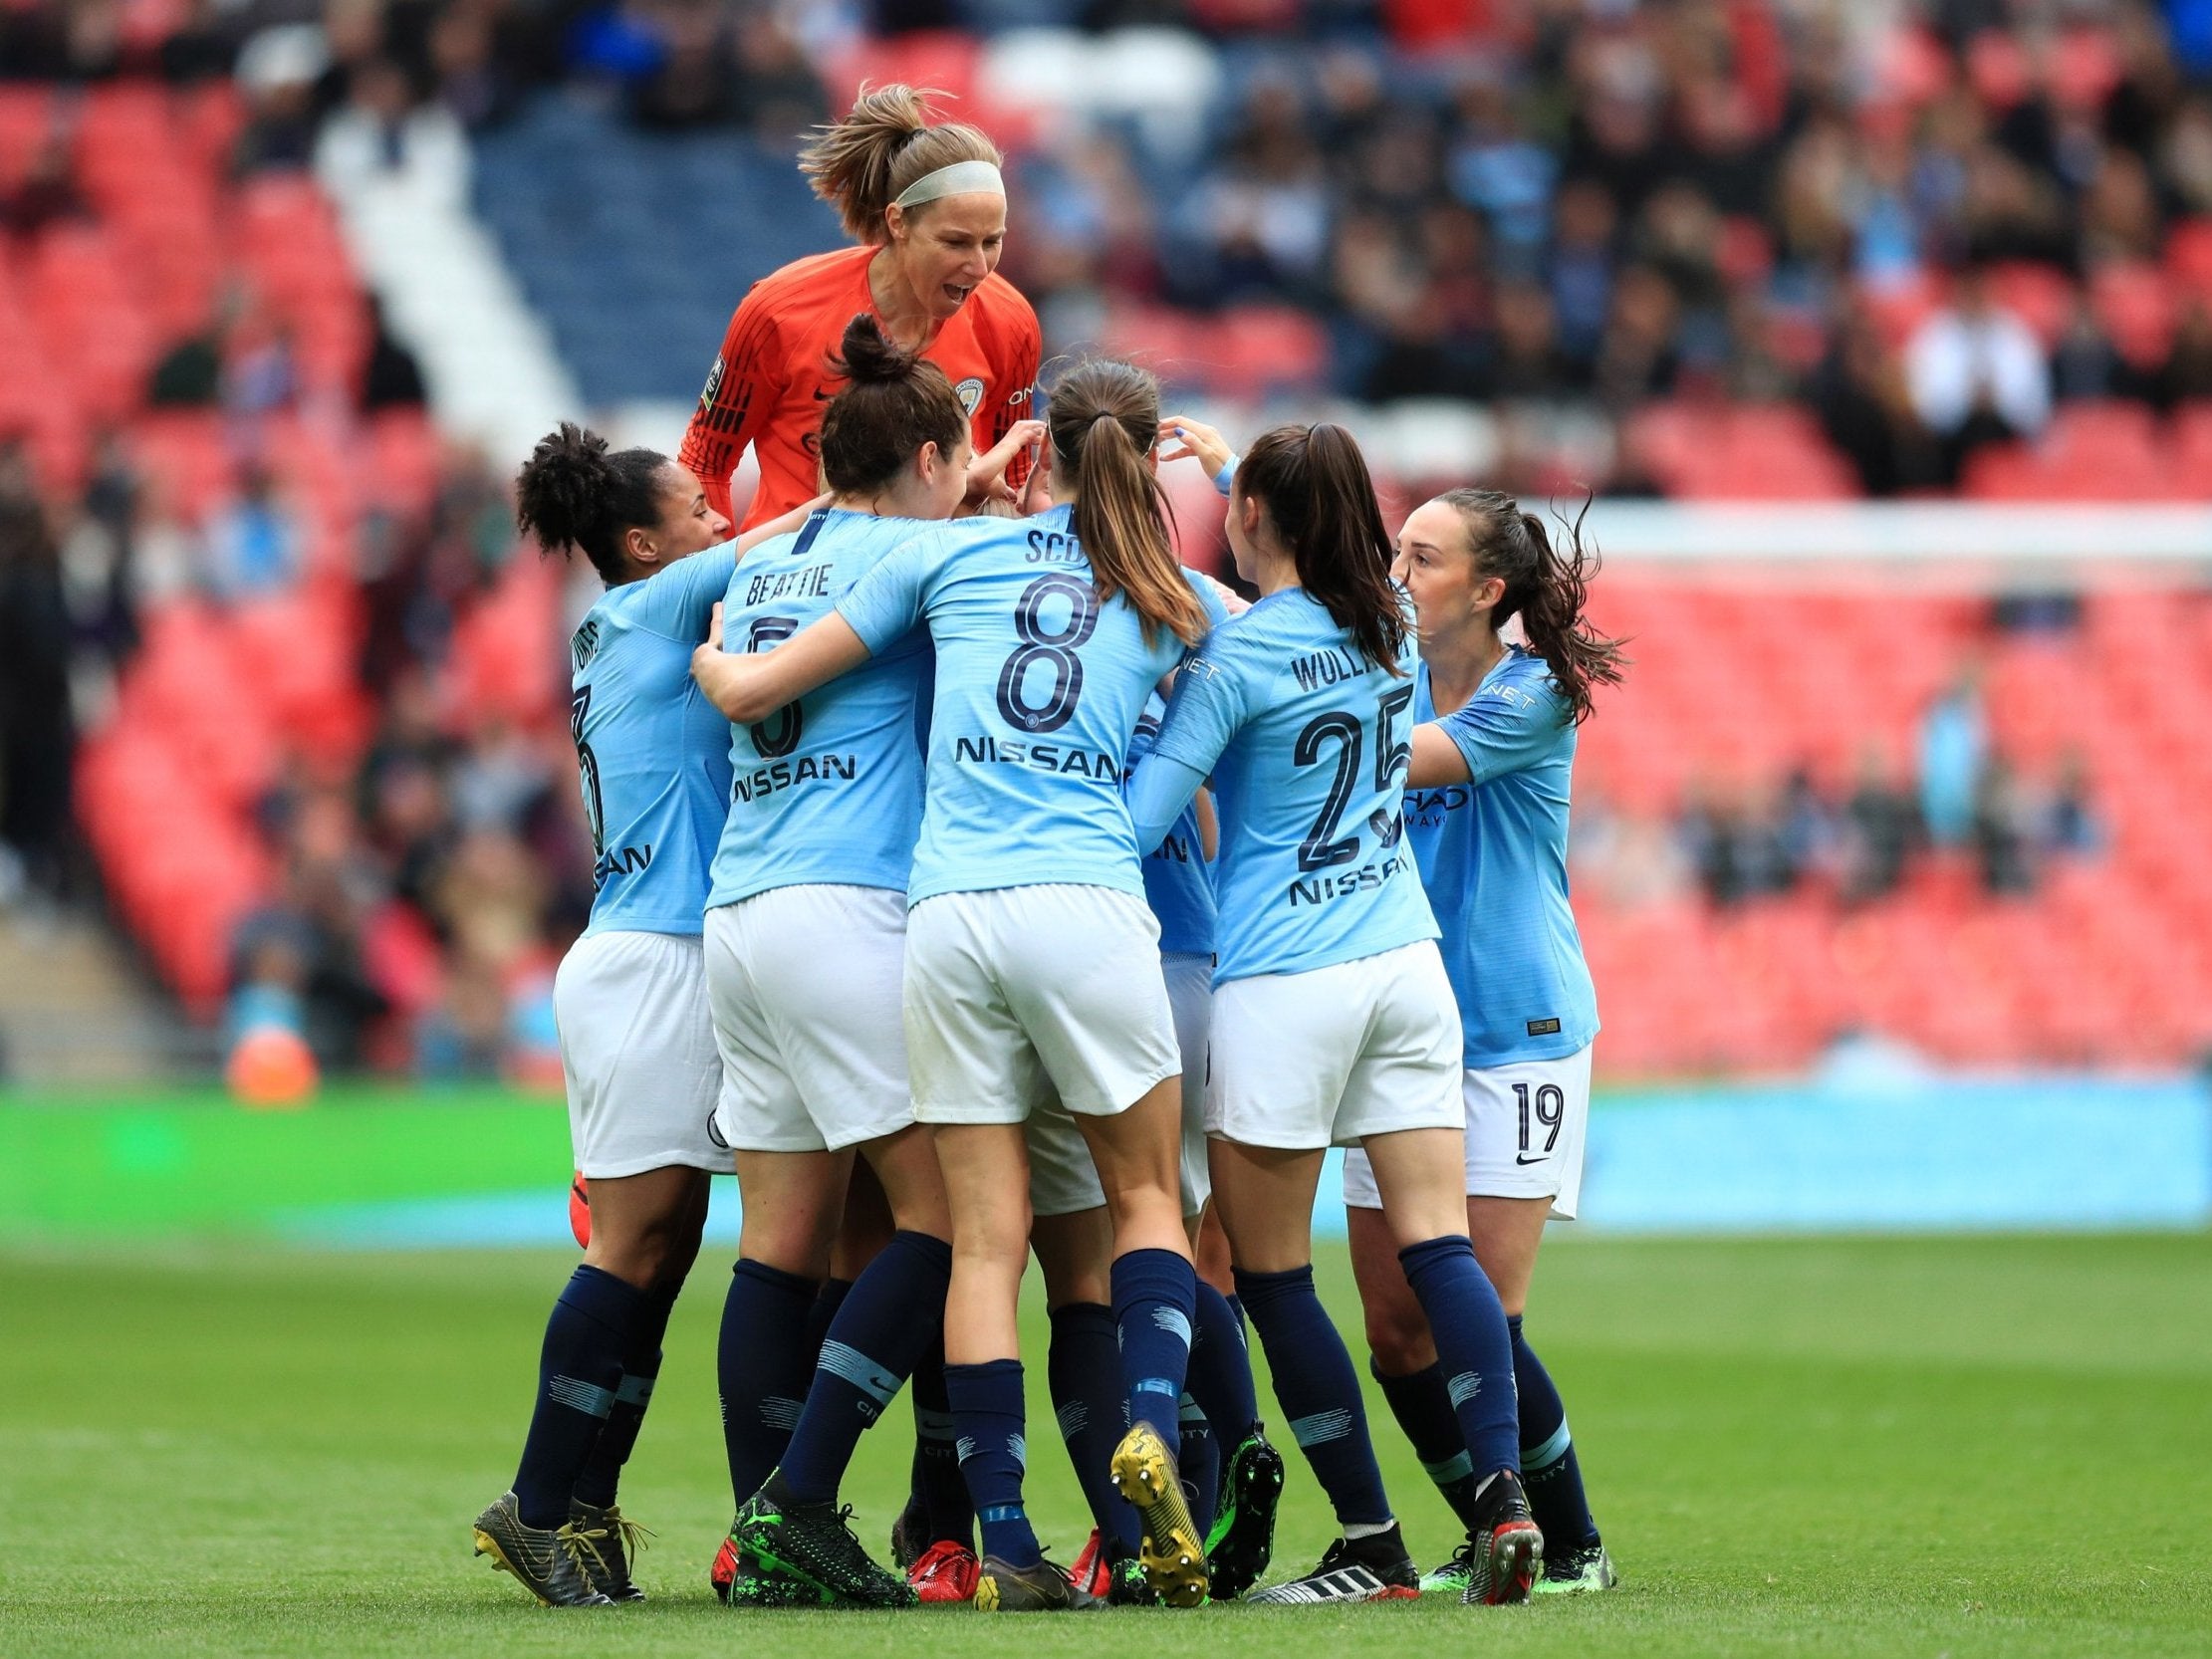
<point x="830" y="788"/>
<point x="1039" y="688"/>
<point x="1493" y="853"/>
<point x="652" y="753"/>
<point x="1307" y="742"/>
<point x="1178" y="885"/>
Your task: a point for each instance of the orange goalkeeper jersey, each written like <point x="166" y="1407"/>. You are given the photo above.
<point x="767" y="386"/>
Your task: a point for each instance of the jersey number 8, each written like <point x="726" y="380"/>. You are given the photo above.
<point x="1042" y="645"/>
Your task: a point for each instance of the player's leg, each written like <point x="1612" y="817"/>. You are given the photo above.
<point x="636" y="1053"/>
<point x="1231" y="1473"/>
<point x="1526" y="1127"/>
<point x="1155" y="1295"/>
<point x="1071" y="1234"/>
<point x="1283" y="1047"/>
<point x="1082" y="975"/>
<point x="977" y="1077"/>
<point x="792" y="1525"/>
<point x="816" y="1072"/>
<point x="986" y="1171"/>
<point x="647" y="1233"/>
<point x="1265" y="1198"/>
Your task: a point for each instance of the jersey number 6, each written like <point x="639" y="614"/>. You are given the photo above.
<point x="1041" y="645"/>
<point x="778" y="735"/>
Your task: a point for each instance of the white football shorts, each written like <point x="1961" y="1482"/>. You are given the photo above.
<point x="1062" y="1177"/>
<point x="804" y="982"/>
<point x="1326" y="1056"/>
<point x="1021" y="995"/>
<point x="638" y="1053"/>
<point x="1525" y="1127"/>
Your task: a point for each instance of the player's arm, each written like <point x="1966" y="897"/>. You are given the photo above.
<point x="1157" y="792"/>
<point x="751" y="686"/>
<point x="988" y="475"/>
<point x="1013" y="391"/>
<point x="1206" y="710"/>
<point x="881" y="608"/>
<point x="1499" y="731"/>
<point x="741" y="391"/>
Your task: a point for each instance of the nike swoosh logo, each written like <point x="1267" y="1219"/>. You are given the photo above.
<point x="820" y="396"/>
<point x="1524" y="1158"/>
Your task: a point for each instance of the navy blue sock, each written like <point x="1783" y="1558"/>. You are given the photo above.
<point x="1198" y="1460"/>
<point x="936" y="1489"/>
<point x="879" y="1332"/>
<point x="826" y="1301"/>
<point x="762" y="1364"/>
<point x="1473" y="1347"/>
<point x="1319" y="1391"/>
<point x="1549" y="1471"/>
<point x="1220" y="1377"/>
<point x="603" y="1470"/>
<point x="1155" y="1292"/>
<point x="579" y="1369"/>
<point x="1082" y="1371"/>
<point x="1423" y="1407"/>
<point x="987" y="1412"/>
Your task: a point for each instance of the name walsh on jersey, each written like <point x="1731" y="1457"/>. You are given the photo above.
<point x="1040" y="757"/>
<point x="782" y="775"/>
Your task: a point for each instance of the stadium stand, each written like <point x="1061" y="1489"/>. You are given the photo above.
<point x="1678" y="250"/>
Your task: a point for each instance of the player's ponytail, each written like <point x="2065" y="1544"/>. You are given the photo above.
<point x="896" y="401"/>
<point x="576" y="493"/>
<point x="862" y="161"/>
<point x="1547" y="589"/>
<point x="1316" y="487"/>
<point x="1104" y="419"/>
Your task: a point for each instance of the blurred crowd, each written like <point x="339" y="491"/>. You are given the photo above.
<point x="424" y="884"/>
<point x="1955" y="801"/>
<point x="1923" y="222"/>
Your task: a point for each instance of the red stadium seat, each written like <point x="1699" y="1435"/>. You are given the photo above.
<point x="2189" y="256"/>
<point x="2134" y="302"/>
<point x="2040" y="295"/>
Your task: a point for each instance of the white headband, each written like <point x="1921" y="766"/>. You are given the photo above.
<point x="958" y="179"/>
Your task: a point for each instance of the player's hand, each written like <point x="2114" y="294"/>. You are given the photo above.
<point x="713" y="628"/>
<point x="1037" y="494"/>
<point x="1231" y="600"/>
<point x="987" y="472"/>
<point x="1180" y="437"/>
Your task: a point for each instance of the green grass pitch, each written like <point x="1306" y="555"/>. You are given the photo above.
<point x="1966" y="1447"/>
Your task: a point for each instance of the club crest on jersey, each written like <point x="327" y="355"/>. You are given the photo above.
<point x="970" y="393"/>
<point x="713" y="386"/>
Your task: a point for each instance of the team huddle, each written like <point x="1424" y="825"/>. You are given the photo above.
<point x="978" y="882"/>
